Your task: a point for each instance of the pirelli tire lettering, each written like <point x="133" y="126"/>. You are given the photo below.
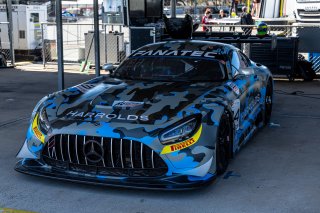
<point x="184" y="144"/>
<point x="35" y="128"/>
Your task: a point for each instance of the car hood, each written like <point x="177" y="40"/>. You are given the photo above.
<point x="113" y="100"/>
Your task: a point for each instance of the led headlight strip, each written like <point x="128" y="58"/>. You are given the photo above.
<point x="43" y="121"/>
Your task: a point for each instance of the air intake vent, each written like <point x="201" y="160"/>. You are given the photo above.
<point x="102" y="156"/>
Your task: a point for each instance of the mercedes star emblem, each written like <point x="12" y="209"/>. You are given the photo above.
<point x="93" y="151"/>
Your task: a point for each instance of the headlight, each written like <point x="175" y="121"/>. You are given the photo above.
<point x="43" y="120"/>
<point x="36" y="108"/>
<point x="182" y="131"/>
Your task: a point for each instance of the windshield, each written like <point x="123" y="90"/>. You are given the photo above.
<point x="171" y="69"/>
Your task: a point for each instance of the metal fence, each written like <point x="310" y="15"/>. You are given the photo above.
<point x="309" y="34"/>
<point x="279" y="30"/>
<point x="5" y="42"/>
<point x="114" y="41"/>
<point x="78" y="43"/>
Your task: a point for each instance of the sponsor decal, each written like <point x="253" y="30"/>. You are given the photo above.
<point x="35" y="129"/>
<point x="251" y="106"/>
<point x="234" y="87"/>
<point x="182" y="145"/>
<point x="127" y="104"/>
<point x="102" y="115"/>
<point x="235" y="107"/>
<point x="187" y="53"/>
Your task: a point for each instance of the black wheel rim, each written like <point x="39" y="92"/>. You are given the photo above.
<point x="223" y="144"/>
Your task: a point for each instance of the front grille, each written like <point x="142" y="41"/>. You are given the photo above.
<point x="309" y="14"/>
<point x="103" y="156"/>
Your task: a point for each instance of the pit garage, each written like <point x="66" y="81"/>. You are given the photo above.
<point x="211" y="121"/>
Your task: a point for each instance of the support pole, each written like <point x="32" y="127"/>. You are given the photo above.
<point x="96" y="37"/>
<point x="43" y="46"/>
<point x="60" y="44"/>
<point x="248" y="6"/>
<point x="195" y="5"/>
<point x="10" y="29"/>
<point x="173" y="8"/>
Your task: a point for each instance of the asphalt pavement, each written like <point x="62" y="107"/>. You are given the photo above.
<point x="277" y="171"/>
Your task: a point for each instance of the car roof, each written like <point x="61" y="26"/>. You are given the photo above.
<point x="186" y="48"/>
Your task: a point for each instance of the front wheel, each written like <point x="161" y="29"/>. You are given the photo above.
<point x="224" y="144"/>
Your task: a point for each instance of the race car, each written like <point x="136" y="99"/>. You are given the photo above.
<point x="170" y="116"/>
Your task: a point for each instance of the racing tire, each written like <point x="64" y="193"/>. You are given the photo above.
<point x="224" y="143"/>
<point x="268" y="103"/>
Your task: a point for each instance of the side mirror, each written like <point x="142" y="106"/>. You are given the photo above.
<point x="248" y="71"/>
<point x="108" y="67"/>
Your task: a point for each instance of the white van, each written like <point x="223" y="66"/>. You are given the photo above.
<point x="307" y="10"/>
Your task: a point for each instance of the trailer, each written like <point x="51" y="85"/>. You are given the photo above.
<point x="27" y="34"/>
<point x="301" y="10"/>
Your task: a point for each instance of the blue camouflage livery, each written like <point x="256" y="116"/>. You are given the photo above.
<point x="158" y="130"/>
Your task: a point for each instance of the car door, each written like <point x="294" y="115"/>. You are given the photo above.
<point x="244" y="80"/>
<point x="252" y="96"/>
<point x="238" y="86"/>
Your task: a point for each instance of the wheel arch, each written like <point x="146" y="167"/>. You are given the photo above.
<point x="270" y="79"/>
<point x="226" y="109"/>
